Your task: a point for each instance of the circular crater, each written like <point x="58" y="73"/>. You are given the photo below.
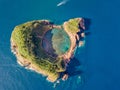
<point x="56" y="42"/>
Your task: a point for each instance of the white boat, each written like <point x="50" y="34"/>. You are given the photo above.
<point x="62" y="3"/>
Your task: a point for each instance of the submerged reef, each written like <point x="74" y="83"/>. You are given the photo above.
<point x="38" y="45"/>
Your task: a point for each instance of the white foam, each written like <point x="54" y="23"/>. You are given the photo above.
<point x="56" y="83"/>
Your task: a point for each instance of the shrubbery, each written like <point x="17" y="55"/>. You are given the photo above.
<point x="29" y="47"/>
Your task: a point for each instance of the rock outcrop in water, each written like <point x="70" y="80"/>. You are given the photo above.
<point x="26" y="44"/>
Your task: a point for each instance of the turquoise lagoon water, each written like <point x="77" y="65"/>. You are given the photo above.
<point x="56" y="42"/>
<point x="61" y="41"/>
<point x="98" y="60"/>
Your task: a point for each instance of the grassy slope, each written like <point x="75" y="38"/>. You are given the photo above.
<point x="73" y="25"/>
<point x="29" y="46"/>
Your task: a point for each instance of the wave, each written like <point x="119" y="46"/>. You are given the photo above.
<point x="62" y="2"/>
<point x="56" y="83"/>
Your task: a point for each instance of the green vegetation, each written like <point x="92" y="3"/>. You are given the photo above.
<point x="73" y="25"/>
<point x="28" y="39"/>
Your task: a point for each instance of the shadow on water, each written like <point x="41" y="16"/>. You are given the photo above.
<point x="73" y="69"/>
<point x="87" y="22"/>
<point x="87" y="26"/>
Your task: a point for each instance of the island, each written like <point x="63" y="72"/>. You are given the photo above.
<point x="45" y="47"/>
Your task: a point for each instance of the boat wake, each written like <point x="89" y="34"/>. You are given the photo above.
<point x="62" y="3"/>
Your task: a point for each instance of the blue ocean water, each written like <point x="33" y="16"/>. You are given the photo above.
<point x="99" y="58"/>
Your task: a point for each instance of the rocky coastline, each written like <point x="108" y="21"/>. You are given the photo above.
<point x="74" y="37"/>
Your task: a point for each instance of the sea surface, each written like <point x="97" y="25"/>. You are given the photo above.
<point x="96" y="65"/>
